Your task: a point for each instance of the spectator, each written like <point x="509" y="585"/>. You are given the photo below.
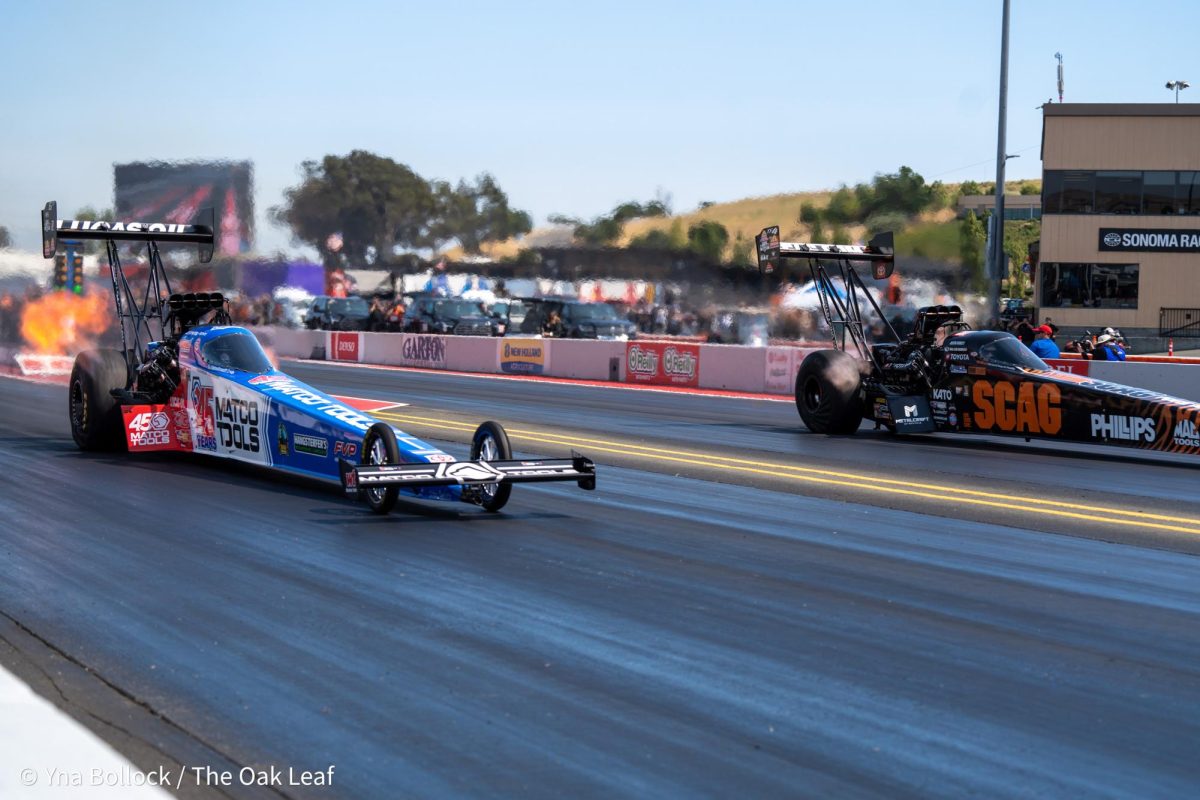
<point x="1027" y="333"/>
<point x="1043" y="343"/>
<point x="1106" y="349"/>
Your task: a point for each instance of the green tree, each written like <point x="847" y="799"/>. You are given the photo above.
<point x="1018" y="235"/>
<point x="972" y="238"/>
<point x="476" y="213"/>
<point x="1031" y="187"/>
<point x="843" y="206"/>
<point x="809" y="213"/>
<point x="707" y="239"/>
<point x="839" y="235"/>
<point x="886" y="221"/>
<point x="904" y="191"/>
<point x="970" y="187"/>
<point x="817" y="234"/>
<point x="372" y="202"/>
<point x="5" y="238"/>
<point x="656" y="239"/>
<point x="743" y="253"/>
<point x="677" y="234"/>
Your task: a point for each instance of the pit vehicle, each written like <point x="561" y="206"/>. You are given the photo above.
<point x="186" y="380"/>
<point x="945" y="377"/>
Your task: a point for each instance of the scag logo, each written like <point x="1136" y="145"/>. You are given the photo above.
<point x="1032" y="408"/>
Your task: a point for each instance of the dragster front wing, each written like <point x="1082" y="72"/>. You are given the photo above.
<point x="356" y="477"/>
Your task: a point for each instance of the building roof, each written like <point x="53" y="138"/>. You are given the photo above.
<point x="1121" y="109"/>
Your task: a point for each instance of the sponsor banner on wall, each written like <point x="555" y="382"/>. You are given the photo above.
<point x="525" y="356"/>
<point x="1149" y="240"/>
<point x="423" y="350"/>
<point x="1075" y="366"/>
<point x="344" y="346"/>
<point x="781" y="369"/>
<point x="662" y="363"/>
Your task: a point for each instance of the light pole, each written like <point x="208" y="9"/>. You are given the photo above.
<point x="1001" y="158"/>
<point x="1177" y="85"/>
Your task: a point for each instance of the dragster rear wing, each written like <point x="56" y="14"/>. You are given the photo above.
<point x="468" y="473"/>
<point x="880" y="251"/>
<point x="199" y="234"/>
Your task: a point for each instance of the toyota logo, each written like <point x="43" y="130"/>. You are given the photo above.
<point x="1112" y="239"/>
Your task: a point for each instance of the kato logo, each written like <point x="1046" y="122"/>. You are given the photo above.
<point x="1023" y="408"/>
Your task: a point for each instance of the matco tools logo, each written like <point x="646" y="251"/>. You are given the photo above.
<point x="149" y="429"/>
<point x="1186" y="434"/>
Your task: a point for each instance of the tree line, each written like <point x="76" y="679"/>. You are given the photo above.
<point x="363" y="208"/>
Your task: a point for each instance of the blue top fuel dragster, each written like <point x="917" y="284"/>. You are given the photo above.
<point x="187" y="380"/>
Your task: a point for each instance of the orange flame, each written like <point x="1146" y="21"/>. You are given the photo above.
<point x="61" y="323"/>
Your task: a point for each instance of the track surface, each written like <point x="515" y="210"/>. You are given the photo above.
<point x="664" y="636"/>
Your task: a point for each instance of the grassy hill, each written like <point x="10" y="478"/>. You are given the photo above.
<point x="933" y="235"/>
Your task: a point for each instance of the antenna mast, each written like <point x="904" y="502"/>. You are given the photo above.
<point x="1060" y="76"/>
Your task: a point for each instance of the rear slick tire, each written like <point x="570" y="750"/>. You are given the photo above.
<point x="96" y="422"/>
<point x="380" y="447"/>
<point x="490" y="443"/>
<point x="829" y="392"/>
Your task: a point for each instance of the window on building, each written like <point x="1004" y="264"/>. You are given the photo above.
<point x="1118" y="192"/>
<point x="1158" y="193"/>
<point x="1052" y="186"/>
<point x="1089" y="285"/>
<point x="1078" y="190"/>
<point x="1187" y="193"/>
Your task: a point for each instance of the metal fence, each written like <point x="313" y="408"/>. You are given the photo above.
<point x="1181" y="322"/>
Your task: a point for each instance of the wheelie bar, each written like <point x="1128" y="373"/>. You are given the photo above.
<point x="577" y="468"/>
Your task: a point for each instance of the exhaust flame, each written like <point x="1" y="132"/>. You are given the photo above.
<point x="61" y="323"/>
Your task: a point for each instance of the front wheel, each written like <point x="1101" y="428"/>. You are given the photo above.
<point x="490" y="443"/>
<point x="380" y="447"/>
<point x="828" y="392"/>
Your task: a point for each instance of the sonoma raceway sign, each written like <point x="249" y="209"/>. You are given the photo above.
<point x="1151" y="240"/>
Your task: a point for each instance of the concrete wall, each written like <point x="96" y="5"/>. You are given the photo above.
<point x="770" y="370"/>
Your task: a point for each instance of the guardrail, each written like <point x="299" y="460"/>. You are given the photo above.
<point x="758" y="370"/>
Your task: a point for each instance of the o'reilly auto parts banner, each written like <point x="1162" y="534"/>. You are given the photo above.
<point x="1149" y="240"/>
<point x="662" y="363"/>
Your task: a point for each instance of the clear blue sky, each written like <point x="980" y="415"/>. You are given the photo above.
<point x="573" y="106"/>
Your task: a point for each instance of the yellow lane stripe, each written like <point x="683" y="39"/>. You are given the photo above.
<point x="836" y="478"/>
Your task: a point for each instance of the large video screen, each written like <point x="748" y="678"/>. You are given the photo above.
<point x="160" y="191"/>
